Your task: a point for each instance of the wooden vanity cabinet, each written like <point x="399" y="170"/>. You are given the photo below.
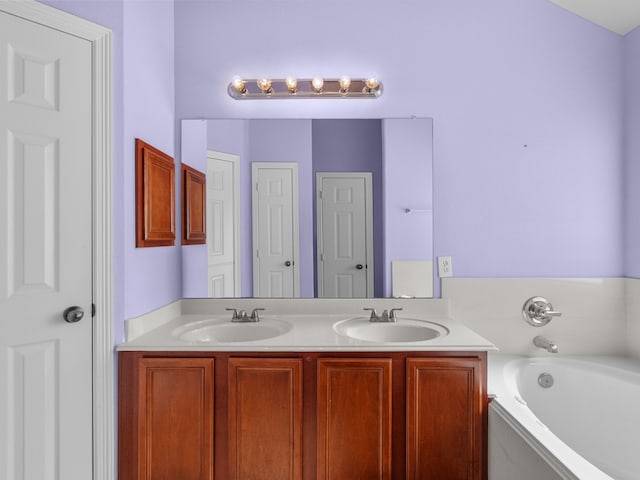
<point x="265" y="418"/>
<point x="446" y="419"/>
<point x="354" y="418"/>
<point x="302" y="416"/>
<point x="166" y="423"/>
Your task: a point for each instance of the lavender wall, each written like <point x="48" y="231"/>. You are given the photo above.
<point x="193" y="152"/>
<point x="632" y="154"/>
<point x="152" y="276"/>
<point x="408" y="161"/>
<point x="525" y="97"/>
<point x="352" y="146"/>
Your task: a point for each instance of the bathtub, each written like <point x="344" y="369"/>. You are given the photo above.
<point x="586" y="425"/>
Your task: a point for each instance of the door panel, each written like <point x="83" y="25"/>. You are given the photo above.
<point x="345" y="246"/>
<point x="265" y="419"/>
<point x="222" y="217"/>
<point x="175" y="419"/>
<point x="45" y="252"/>
<point x="354" y="419"/>
<point x="444" y="437"/>
<point x="275" y="223"/>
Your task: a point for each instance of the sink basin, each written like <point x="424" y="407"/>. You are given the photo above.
<point x="216" y="331"/>
<point x="403" y="330"/>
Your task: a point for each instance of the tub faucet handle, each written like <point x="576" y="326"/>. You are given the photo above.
<point x="538" y="311"/>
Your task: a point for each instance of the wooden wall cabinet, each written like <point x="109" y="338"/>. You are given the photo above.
<point x="302" y="416"/>
<point x="155" y="197"/>
<point x="194" y="210"/>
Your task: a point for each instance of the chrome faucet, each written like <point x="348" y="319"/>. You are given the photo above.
<point x="241" y="316"/>
<point x="538" y="311"/>
<point x="542" y="342"/>
<point x="385" y="316"/>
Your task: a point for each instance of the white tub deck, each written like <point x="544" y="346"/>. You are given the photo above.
<point x="587" y="425"/>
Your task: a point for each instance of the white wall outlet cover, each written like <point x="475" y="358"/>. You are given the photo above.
<point x="445" y="267"/>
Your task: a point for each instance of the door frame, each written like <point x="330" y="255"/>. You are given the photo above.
<point x="102" y="229"/>
<point x="235" y="162"/>
<point x="368" y="218"/>
<point x="255" y="166"/>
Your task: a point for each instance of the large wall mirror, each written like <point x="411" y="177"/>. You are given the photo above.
<point x="332" y="208"/>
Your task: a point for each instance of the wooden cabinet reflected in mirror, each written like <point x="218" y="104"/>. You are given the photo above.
<point x="194" y="217"/>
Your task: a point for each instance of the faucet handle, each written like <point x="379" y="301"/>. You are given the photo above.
<point x="255" y="317"/>
<point x="374" y="315"/>
<point x="238" y="315"/>
<point x="538" y="311"/>
<point x="392" y="314"/>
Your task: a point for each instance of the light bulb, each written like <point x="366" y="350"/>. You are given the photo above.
<point x="238" y="85"/>
<point x="344" y="83"/>
<point x="264" y="84"/>
<point x="317" y="83"/>
<point x="292" y="84"/>
<point x="371" y="83"/>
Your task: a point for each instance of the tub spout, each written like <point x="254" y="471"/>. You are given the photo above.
<point x="542" y="342"/>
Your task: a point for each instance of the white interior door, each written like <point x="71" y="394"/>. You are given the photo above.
<point x="45" y="252"/>
<point x="345" y="235"/>
<point x="223" y="216"/>
<point x="275" y="230"/>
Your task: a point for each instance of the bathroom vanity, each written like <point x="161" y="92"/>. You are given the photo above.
<point x="330" y="407"/>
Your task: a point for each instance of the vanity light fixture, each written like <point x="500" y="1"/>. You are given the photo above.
<point x="292" y="87"/>
<point x="238" y="85"/>
<point x="264" y="84"/>
<point x="344" y="82"/>
<point x="292" y="84"/>
<point x="317" y="83"/>
<point x="371" y="83"/>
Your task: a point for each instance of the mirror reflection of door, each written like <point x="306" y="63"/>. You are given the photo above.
<point x="275" y="230"/>
<point x="345" y="235"/>
<point x="223" y="207"/>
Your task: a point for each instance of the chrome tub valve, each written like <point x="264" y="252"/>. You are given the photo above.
<point x="538" y="311"/>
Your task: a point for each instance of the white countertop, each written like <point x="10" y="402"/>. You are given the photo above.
<point x="308" y="332"/>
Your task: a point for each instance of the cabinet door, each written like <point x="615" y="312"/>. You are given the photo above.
<point x="265" y="419"/>
<point x="175" y="419"/>
<point x="354" y="419"/>
<point x="445" y="410"/>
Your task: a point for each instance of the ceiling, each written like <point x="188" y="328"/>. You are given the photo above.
<point x="620" y="16"/>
